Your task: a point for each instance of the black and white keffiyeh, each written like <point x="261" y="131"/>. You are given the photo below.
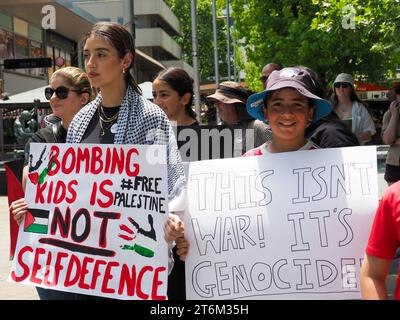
<point x="139" y="122"/>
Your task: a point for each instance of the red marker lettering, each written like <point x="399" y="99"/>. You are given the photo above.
<point x="24" y="266"/>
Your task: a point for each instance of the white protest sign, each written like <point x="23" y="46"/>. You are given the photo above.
<point x="282" y="226"/>
<point x="95" y="222"/>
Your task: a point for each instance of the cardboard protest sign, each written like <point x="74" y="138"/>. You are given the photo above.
<point x="95" y="221"/>
<point x="281" y="226"/>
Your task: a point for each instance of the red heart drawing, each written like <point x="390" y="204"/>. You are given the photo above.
<point x="34" y="177"/>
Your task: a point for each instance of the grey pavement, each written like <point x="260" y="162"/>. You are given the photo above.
<point x="13" y="291"/>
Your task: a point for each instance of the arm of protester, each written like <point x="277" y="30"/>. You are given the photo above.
<point x="25" y="172"/>
<point x="174" y="228"/>
<point x="366" y="125"/>
<point x="389" y="125"/>
<point x="18" y="209"/>
<point x="364" y="137"/>
<point x="373" y="278"/>
<point x="182" y="248"/>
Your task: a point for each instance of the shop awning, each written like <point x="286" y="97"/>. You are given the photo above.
<point x="27" y="99"/>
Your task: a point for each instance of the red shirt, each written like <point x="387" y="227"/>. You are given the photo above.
<point x="385" y="233"/>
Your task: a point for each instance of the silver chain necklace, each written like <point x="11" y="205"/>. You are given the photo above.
<point x="106" y="120"/>
<point x="104" y="117"/>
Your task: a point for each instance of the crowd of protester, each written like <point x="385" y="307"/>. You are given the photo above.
<point x="293" y="112"/>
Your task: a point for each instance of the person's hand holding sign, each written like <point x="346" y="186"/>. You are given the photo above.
<point x="174" y="231"/>
<point x="18" y="209"/>
<point x="174" y="228"/>
<point x="183" y="248"/>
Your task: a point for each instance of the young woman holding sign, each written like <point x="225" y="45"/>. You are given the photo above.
<point x="120" y="115"/>
<point x="68" y="92"/>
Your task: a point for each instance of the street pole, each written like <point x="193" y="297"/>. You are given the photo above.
<point x="80" y="58"/>
<point x="216" y="63"/>
<point x="129" y="17"/>
<point x="129" y="23"/>
<point x="228" y="40"/>
<point x="234" y="54"/>
<point x="195" y="62"/>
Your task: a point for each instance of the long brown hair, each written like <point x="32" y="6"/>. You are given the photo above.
<point x="179" y="80"/>
<point x="120" y="39"/>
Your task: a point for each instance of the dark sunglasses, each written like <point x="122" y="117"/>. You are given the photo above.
<point x="397" y="90"/>
<point x="263" y="78"/>
<point x="61" y="92"/>
<point x="342" y="84"/>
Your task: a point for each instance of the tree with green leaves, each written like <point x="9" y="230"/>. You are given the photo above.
<point x="181" y="9"/>
<point x="360" y="37"/>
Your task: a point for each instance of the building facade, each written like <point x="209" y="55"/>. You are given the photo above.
<point x="34" y="29"/>
<point x="155" y="27"/>
<point x="26" y="31"/>
<point x="55" y="28"/>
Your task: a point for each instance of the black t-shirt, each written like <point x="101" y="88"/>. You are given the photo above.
<point x="330" y="133"/>
<point x="55" y="133"/>
<point x="94" y="129"/>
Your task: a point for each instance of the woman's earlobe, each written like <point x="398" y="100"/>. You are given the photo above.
<point x="186" y="98"/>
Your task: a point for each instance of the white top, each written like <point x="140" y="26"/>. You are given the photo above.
<point x="361" y="121"/>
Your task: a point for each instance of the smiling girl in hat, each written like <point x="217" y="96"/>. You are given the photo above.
<point x="289" y="104"/>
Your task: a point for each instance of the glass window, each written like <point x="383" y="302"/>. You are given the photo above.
<point x="49" y="54"/>
<point x="6" y="22"/>
<point x="36" y="51"/>
<point x="35" y="33"/>
<point x="21" y="51"/>
<point x="6" y="44"/>
<point x="21" y="47"/>
<point x="21" y="27"/>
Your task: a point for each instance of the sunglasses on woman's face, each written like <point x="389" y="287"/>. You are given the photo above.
<point x="342" y="84"/>
<point x="61" y="92"/>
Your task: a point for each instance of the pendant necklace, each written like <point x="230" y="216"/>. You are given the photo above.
<point x="107" y="123"/>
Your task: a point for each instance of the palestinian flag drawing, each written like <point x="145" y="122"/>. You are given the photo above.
<point x="37" y="221"/>
<point x="143" y="242"/>
<point x="14" y="192"/>
<point x="146" y="248"/>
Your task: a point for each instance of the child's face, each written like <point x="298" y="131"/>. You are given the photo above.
<point x="288" y="113"/>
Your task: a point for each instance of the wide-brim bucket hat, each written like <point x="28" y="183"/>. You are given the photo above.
<point x="229" y="92"/>
<point x="344" y="77"/>
<point x="294" y="77"/>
